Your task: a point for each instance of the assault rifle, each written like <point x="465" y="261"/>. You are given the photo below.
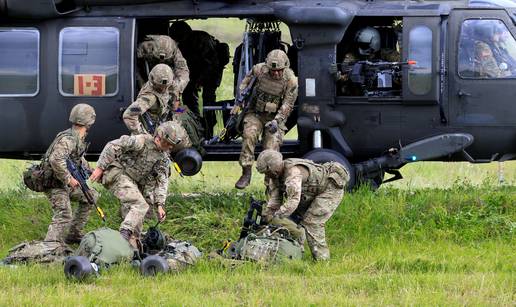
<point x="148" y="124"/>
<point x="81" y="174"/>
<point x="253" y="218"/>
<point x="241" y="102"/>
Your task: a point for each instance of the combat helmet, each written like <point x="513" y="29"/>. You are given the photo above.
<point x="170" y="131"/>
<point x="368" y="40"/>
<point x="277" y="59"/>
<point x="82" y="114"/>
<point x="164" y="46"/>
<point x="161" y="74"/>
<point x="269" y="160"/>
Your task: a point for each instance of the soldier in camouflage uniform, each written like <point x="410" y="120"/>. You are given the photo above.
<point x="136" y="170"/>
<point x="153" y="99"/>
<point x="161" y="49"/>
<point x="489" y="62"/>
<point x="206" y="61"/>
<point x="300" y="189"/>
<point x="270" y="105"/>
<point x="68" y="144"/>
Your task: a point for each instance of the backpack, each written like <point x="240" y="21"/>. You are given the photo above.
<point x="190" y="121"/>
<point x="105" y="247"/>
<point x="38" y="178"/>
<point x="180" y="254"/>
<point x="269" y="245"/>
<point x="38" y="252"/>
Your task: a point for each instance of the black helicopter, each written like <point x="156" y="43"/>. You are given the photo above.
<point x="432" y="104"/>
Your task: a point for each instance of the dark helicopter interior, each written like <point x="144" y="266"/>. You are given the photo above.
<point x="259" y="37"/>
<point x="381" y="78"/>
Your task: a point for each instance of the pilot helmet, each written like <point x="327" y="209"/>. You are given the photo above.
<point x="277" y="59"/>
<point x="161" y="74"/>
<point x="82" y="114"/>
<point x="368" y="41"/>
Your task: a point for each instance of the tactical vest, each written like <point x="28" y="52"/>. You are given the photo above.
<point x="79" y="148"/>
<point x="145" y="164"/>
<point x="317" y="179"/>
<point x="160" y="110"/>
<point x="268" y="92"/>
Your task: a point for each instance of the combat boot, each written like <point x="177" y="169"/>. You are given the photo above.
<point x="245" y="179"/>
<point x="128" y="235"/>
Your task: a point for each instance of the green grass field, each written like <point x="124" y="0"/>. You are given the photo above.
<point x="442" y="236"/>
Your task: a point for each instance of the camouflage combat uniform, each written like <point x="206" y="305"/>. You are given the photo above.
<point x="162" y="49"/>
<point x="271" y="100"/>
<point x="154" y="103"/>
<point x="486" y="65"/>
<point x="136" y="172"/>
<point x="312" y="193"/>
<point x="67" y="145"/>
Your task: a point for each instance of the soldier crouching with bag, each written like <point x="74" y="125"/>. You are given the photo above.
<point x="134" y="166"/>
<point x="271" y="103"/>
<point x="59" y="185"/>
<point x="312" y="193"/>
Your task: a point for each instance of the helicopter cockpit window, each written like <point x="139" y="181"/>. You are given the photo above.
<point x="19" y="62"/>
<point x="88" y="61"/>
<point x="487" y="50"/>
<point x="420" y="51"/>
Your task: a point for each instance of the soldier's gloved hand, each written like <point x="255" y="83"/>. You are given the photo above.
<point x="272" y="126"/>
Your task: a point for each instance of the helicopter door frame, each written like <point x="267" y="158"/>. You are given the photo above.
<point x="474" y="101"/>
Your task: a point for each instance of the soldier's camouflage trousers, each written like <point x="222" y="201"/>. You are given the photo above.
<point x="315" y="217"/>
<point x="134" y="207"/>
<point x="253" y="129"/>
<point x="63" y="222"/>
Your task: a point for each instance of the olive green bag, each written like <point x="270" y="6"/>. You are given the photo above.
<point x="105" y="247"/>
<point x="265" y="246"/>
<point x="193" y="127"/>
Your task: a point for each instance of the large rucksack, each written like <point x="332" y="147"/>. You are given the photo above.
<point x="190" y="121"/>
<point x="105" y="247"/>
<point x="270" y="244"/>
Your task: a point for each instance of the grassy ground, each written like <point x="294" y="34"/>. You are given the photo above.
<point x="406" y="244"/>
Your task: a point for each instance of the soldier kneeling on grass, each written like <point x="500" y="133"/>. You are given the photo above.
<point x="304" y="191"/>
<point x="136" y="170"/>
